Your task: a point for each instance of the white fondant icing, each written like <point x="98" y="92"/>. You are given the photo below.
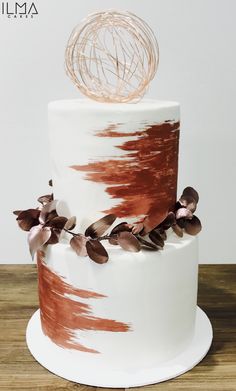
<point x="89" y="370"/>
<point x="72" y="126"/>
<point x="154" y="292"/>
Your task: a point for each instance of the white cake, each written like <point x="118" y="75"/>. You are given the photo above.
<point x="145" y="314"/>
<point x="138" y="309"/>
<point x="114" y="158"/>
<point x="116" y="249"/>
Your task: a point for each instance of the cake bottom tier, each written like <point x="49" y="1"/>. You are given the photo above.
<point x="91" y="370"/>
<point x="134" y="312"/>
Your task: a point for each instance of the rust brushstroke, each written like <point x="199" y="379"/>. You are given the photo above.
<point x="61" y="316"/>
<point x="145" y="177"/>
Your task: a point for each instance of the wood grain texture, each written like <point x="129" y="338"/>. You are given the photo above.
<point x="19" y="300"/>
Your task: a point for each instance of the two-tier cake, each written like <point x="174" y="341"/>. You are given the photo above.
<point x="116" y="250"/>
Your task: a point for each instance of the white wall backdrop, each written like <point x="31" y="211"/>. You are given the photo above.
<point x="197" y="68"/>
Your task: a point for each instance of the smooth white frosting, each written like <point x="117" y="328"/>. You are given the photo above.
<point x="154" y="292"/>
<point x="145" y="105"/>
<point x="72" y="128"/>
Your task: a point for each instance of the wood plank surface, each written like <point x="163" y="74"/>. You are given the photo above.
<point x="18" y="301"/>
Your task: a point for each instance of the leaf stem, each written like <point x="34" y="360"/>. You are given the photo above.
<point x="107" y="237"/>
<point x="70" y="232"/>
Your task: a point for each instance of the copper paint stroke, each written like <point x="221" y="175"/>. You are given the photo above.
<point x="145" y="177"/>
<point x="61" y="316"/>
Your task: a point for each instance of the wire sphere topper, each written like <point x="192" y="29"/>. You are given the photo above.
<point x="112" y="56"/>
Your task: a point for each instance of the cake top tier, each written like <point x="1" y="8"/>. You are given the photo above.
<point x="87" y="104"/>
<point x="117" y="159"/>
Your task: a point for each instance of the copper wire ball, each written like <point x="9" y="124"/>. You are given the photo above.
<point x="112" y="56"/>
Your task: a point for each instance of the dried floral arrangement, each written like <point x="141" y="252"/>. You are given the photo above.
<point x="45" y="227"/>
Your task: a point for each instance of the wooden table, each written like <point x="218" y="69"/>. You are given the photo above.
<point x="19" y="370"/>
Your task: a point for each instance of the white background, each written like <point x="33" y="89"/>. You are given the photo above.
<point x="197" y="68"/>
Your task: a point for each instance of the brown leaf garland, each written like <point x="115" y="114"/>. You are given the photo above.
<point x="45" y="227"/>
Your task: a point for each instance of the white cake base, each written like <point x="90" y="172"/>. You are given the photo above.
<point x="90" y="370"/>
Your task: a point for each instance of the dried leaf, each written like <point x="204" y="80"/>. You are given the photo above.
<point x="45" y="199"/>
<point x="145" y="243"/>
<point x="137" y="228"/>
<point x="128" y="241"/>
<point x="71" y="223"/>
<point x="100" y="226"/>
<point x="78" y="243"/>
<point x="181" y="222"/>
<point x="17" y="212"/>
<point x="38" y="236"/>
<point x="46" y="210"/>
<point x="33" y="213"/>
<point x="193" y="226"/>
<point x="28" y="218"/>
<point x="191" y="192"/>
<point x="178" y="230"/>
<point x="121" y="227"/>
<point x="156" y="238"/>
<point x="152" y="221"/>
<point x="189" y="203"/>
<point x="96" y="251"/>
<point x="183" y="213"/>
<point x="177" y="206"/>
<point x="189" y="198"/>
<point x="168" y="222"/>
<point x="57" y="222"/>
<point x="52" y="215"/>
<point x="162" y="232"/>
<point x="55" y="236"/>
<point x="113" y="240"/>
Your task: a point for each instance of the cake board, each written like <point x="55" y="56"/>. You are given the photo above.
<point x="75" y="367"/>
